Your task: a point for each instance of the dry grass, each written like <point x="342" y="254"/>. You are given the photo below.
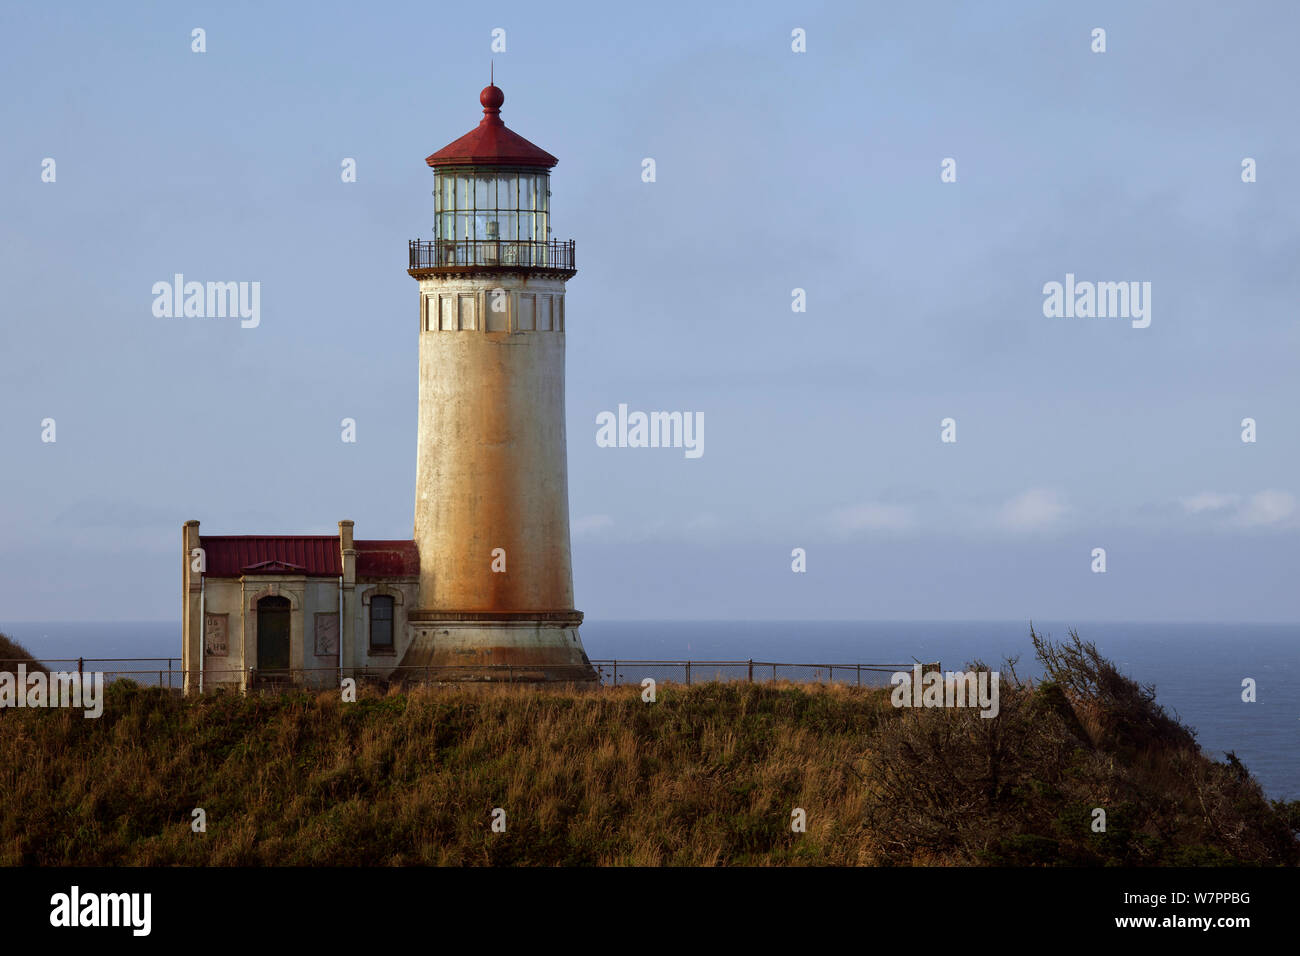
<point x="707" y="775"/>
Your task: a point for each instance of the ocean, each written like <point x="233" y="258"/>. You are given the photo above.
<point x="1197" y="668"/>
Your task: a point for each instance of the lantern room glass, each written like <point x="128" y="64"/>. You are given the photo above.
<point x="487" y="204"/>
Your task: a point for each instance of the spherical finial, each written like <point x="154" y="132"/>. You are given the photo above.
<point x="492" y="97"/>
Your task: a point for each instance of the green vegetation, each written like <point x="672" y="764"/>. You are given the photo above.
<point x="706" y="775"/>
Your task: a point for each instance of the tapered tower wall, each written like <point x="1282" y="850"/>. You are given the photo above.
<point x="492" y="473"/>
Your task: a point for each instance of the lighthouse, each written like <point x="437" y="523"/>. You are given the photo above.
<point x="495" y="597"/>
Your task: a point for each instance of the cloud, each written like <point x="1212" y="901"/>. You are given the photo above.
<point x="873" y="516"/>
<point x="1208" y="501"/>
<point x="1035" y="509"/>
<point x="1266" y="508"/>
<point x="1259" y="510"/>
<point x="706" y="521"/>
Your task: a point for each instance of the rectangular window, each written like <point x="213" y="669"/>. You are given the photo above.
<point x="467" y="312"/>
<point x="527" y="312"/>
<point x="495" y="321"/>
<point x="544" y="313"/>
<point x="381" y="623"/>
<point x="447" y="311"/>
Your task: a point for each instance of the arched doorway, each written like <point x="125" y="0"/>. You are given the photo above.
<point x="273" y="639"/>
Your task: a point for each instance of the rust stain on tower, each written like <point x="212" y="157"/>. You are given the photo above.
<point x="492" y="498"/>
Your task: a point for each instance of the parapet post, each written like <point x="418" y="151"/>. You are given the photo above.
<point x="347" y="595"/>
<point x="191" y="611"/>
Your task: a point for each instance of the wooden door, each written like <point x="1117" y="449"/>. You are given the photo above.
<point x="273" y="637"/>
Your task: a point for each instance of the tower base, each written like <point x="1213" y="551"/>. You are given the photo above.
<point x="506" y="648"/>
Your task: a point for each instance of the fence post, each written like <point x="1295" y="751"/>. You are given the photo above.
<point x="616" y="673"/>
<point x="80" y="661"/>
<point x="859" y="675"/>
<point x="774" y="673"/>
<point x="830" y="673"/>
<point x="751" y="670"/>
<point x="688" y="673"/>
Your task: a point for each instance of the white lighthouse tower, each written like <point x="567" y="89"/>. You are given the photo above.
<point x="491" y="493"/>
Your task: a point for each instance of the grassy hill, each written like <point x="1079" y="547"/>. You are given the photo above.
<point x="705" y="775"/>
<point x="11" y="651"/>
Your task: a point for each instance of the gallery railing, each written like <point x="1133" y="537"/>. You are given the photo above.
<point x="556" y="255"/>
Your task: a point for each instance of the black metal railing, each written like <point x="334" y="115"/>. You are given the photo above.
<point x="621" y="671"/>
<point x="631" y="671"/>
<point x="556" y="255"/>
<point x="147" y="671"/>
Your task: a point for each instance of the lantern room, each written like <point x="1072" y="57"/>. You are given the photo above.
<point x="474" y="203"/>
<point x="492" y="201"/>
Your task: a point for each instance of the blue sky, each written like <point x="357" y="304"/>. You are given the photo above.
<point x="775" y="171"/>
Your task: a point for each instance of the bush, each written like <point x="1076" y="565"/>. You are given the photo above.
<point x="1022" y="788"/>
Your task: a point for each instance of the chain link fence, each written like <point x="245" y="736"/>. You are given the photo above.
<point x="167" y="673"/>
<point x="145" y="671"/>
<point x="699" y="672"/>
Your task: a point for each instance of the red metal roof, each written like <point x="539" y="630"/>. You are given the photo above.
<point x="387" y="559"/>
<point x="230" y="556"/>
<point x="491" y="143"/>
<point x="235" y="555"/>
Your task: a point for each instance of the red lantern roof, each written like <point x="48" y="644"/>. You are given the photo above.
<point x="491" y="143"/>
